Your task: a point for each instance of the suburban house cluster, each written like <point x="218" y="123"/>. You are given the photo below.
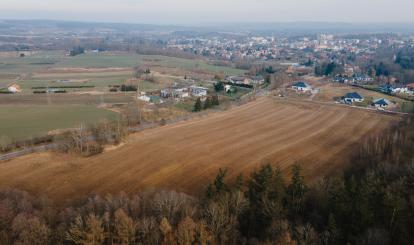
<point x="184" y="92"/>
<point x="353" y="97"/>
<point x="354" y="79"/>
<point x="243" y="81"/>
<point x="177" y="93"/>
<point x="407" y="89"/>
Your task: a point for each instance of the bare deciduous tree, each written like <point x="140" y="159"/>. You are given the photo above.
<point x="88" y="232"/>
<point x="186" y="231"/>
<point x="30" y="230"/>
<point x="124" y="228"/>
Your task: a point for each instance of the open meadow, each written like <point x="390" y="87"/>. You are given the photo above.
<point x="46" y="68"/>
<point x="187" y="155"/>
<point x="22" y="122"/>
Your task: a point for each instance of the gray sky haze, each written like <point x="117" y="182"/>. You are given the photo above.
<point x="194" y="12"/>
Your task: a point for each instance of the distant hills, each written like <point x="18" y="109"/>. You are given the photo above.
<point x="263" y="28"/>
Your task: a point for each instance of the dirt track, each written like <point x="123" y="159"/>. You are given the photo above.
<point x="188" y="155"/>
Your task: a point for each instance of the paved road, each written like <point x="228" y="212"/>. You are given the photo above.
<point x="26" y="151"/>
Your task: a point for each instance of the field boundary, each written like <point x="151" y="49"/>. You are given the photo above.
<point x="131" y="130"/>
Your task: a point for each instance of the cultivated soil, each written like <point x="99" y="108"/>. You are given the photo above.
<point x="187" y="156"/>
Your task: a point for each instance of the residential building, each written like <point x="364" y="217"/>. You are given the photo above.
<point x="198" y="91"/>
<point x="301" y="86"/>
<point x="381" y="103"/>
<point x="352" y="97"/>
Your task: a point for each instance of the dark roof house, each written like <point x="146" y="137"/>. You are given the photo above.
<point x="301" y="86"/>
<point x="381" y="102"/>
<point x="353" y="97"/>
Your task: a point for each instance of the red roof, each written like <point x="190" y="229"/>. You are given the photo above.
<point x="410" y="85"/>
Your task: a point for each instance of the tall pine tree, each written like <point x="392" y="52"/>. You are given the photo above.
<point x="197" y="105"/>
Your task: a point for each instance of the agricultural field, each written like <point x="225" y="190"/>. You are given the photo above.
<point x="22" y="122"/>
<point x="187" y="155"/>
<point x="47" y="68"/>
<point x="86" y="80"/>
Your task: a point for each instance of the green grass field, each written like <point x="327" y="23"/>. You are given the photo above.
<point x="23" y="122"/>
<point x="42" y="69"/>
<point x="57" y="59"/>
<point x="27" y="115"/>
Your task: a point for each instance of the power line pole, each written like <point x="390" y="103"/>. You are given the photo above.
<point x="49" y="101"/>
<point x="138" y="102"/>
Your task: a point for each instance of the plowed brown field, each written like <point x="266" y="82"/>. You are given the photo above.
<point x="187" y="155"/>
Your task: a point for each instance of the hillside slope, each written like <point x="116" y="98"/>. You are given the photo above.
<point x="187" y="155"/>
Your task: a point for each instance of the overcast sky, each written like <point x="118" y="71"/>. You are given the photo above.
<point x="210" y="11"/>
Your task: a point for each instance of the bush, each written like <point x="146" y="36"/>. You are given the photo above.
<point x="92" y="148"/>
<point x="407" y="107"/>
<point x="128" y="88"/>
<point x="76" y="51"/>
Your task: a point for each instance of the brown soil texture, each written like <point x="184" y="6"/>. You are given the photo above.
<point x="187" y="155"/>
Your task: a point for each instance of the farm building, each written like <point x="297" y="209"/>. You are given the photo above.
<point x="198" y="91"/>
<point x="301" y="86"/>
<point x="239" y="80"/>
<point x="155" y="99"/>
<point x="14" y="88"/>
<point x="352" y="97"/>
<point x="55" y="90"/>
<point x="381" y="103"/>
<point x="178" y="93"/>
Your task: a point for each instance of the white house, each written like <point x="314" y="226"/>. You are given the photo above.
<point x="198" y="91"/>
<point x="239" y="80"/>
<point x="301" y="86"/>
<point x="181" y="93"/>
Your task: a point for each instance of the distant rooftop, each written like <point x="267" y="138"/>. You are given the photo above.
<point x="353" y="95"/>
<point x="301" y="84"/>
